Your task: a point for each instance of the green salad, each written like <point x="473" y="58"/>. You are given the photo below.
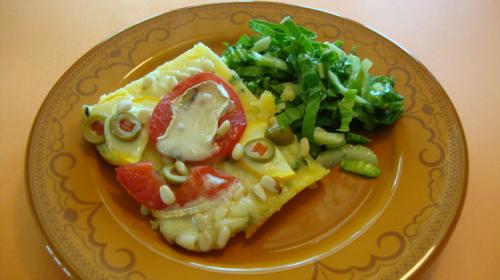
<point x="321" y="90"/>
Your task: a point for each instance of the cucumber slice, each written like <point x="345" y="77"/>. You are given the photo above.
<point x="329" y="139"/>
<point x="330" y="158"/>
<point x="360" y="167"/>
<point x="359" y="152"/>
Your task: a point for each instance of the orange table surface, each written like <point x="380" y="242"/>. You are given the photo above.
<point x="458" y="41"/>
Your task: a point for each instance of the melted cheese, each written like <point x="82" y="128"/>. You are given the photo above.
<point x="190" y="135"/>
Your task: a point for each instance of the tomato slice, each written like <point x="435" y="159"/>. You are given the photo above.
<point x="143" y="184"/>
<point x="162" y="115"/>
<point x="203" y="181"/>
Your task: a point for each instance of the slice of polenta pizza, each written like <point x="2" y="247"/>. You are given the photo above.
<point x="190" y="144"/>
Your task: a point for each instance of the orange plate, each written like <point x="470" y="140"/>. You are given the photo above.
<point x="348" y="227"/>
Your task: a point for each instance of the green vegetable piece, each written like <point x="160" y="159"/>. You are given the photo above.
<point x="251" y="71"/>
<point x="329" y="139"/>
<point x="290" y="115"/>
<point x="334" y="79"/>
<point x="388" y="105"/>
<point x="93" y="128"/>
<point x="280" y="135"/>
<point x="269" y="61"/>
<point x="355" y="70"/>
<point x="321" y="70"/>
<point x="125" y="126"/>
<point x="262" y="44"/>
<point x="336" y="47"/>
<point x="310" y="115"/>
<point x="260" y="149"/>
<point x="296" y="165"/>
<point x="365" y="77"/>
<point x="171" y="176"/>
<point x="354" y="49"/>
<point x="266" y="28"/>
<point x="359" y="152"/>
<point x="354" y="138"/>
<point x="330" y="158"/>
<point x="346" y="110"/>
<point x="360" y="167"/>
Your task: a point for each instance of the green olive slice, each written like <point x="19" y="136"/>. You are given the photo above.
<point x="125" y="126"/>
<point x="93" y="128"/>
<point x="168" y="173"/>
<point x="280" y="135"/>
<point x="260" y="149"/>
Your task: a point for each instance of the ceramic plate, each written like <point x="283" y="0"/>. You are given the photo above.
<point x="347" y="228"/>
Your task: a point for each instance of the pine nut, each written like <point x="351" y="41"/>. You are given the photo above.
<point x="193" y="70"/>
<point x="147" y="82"/>
<point x="239" y="192"/>
<point x="181" y="167"/>
<point x="205" y="241"/>
<point x="237" y="152"/>
<point x="144" y="115"/>
<point x="180" y="75"/>
<point x="217" y="225"/>
<point x="201" y="221"/>
<point x="304" y="147"/>
<point x="169" y="82"/>
<point x="207" y="65"/>
<point x="220" y="213"/>
<point x="259" y="192"/>
<point x="124" y="106"/>
<point x="272" y="121"/>
<point x="288" y="93"/>
<point x="222" y="237"/>
<point x="181" y="126"/>
<point x="144" y="210"/>
<point x="237" y="223"/>
<point x="268" y="183"/>
<point x="166" y="195"/>
<point x="223" y="129"/>
<point x="186" y="240"/>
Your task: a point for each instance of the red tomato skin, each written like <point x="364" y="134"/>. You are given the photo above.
<point x="197" y="185"/>
<point x="142" y="183"/>
<point x="97" y="127"/>
<point x="162" y="116"/>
